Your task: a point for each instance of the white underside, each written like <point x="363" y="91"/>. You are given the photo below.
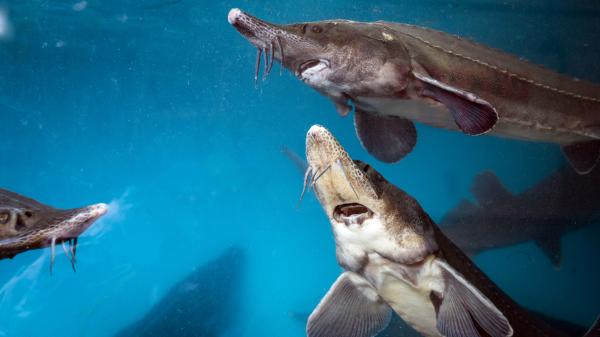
<point x="411" y="302"/>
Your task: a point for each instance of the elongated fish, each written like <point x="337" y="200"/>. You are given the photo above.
<point x="562" y="202"/>
<point x="26" y="224"/>
<point x="393" y="74"/>
<point x="203" y="304"/>
<point x="396" y="259"/>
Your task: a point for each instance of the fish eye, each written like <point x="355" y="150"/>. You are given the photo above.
<point x="4" y="217"/>
<point x="316" y="29"/>
<point x="28" y="214"/>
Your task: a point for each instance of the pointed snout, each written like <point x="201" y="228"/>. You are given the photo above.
<point x="233" y="15"/>
<point x="321" y="147"/>
<point x="260" y="33"/>
<point x="82" y="218"/>
<point x="341" y="179"/>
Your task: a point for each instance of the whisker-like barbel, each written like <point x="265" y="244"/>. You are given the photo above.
<point x="316" y="177"/>
<point x="307" y="177"/>
<point x="281" y="57"/>
<point x="257" y="67"/>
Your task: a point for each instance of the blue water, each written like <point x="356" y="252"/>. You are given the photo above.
<point x="150" y="106"/>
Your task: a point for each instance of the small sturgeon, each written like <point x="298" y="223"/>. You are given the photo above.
<point x="394" y="73"/>
<point x="396" y="258"/>
<point x="26" y="224"/>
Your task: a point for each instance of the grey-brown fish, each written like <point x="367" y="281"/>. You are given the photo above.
<point x="26" y="224"/>
<point x="395" y="258"/>
<point x="560" y="203"/>
<point x="393" y="74"/>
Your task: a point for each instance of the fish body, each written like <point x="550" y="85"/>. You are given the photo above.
<point x="561" y="202"/>
<point x="395" y="258"/>
<point x="201" y="304"/>
<point x="392" y="74"/>
<point x="26" y="224"/>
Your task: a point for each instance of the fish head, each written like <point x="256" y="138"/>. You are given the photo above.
<point x="335" y="57"/>
<point x="26" y="224"/>
<point x="367" y="213"/>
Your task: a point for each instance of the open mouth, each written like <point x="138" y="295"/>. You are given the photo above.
<point x="352" y="213"/>
<point x="315" y="64"/>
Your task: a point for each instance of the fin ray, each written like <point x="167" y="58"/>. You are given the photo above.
<point x="463" y="305"/>
<point x="472" y="114"/>
<point x="351" y="308"/>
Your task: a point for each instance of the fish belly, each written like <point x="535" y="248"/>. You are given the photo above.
<point x="437" y="115"/>
<point x="411" y="304"/>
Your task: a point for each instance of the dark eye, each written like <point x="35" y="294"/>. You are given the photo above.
<point x="4" y="217"/>
<point x="366" y="168"/>
<point x="316" y="29"/>
<point x="28" y="214"/>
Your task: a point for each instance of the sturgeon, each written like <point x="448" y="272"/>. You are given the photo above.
<point x="395" y="258"/>
<point x="560" y="203"/>
<point x="26" y="224"/>
<point x="392" y="74"/>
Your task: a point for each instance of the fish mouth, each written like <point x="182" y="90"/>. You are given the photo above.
<point x="352" y="213"/>
<point x="315" y="65"/>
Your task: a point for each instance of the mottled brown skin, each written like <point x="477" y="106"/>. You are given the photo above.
<point x="386" y="70"/>
<point x="26" y="224"/>
<point x="533" y="103"/>
<point x="408" y="225"/>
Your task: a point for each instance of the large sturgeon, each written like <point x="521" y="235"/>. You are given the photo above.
<point x="26" y="224"/>
<point x="396" y="258"/>
<point x="393" y="73"/>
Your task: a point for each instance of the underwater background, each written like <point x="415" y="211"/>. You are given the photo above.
<point x="150" y="106"/>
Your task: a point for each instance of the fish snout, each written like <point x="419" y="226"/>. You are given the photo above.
<point x="321" y="147"/>
<point x="260" y="33"/>
<point x="81" y="219"/>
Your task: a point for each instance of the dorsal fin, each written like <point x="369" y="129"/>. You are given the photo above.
<point x="488" y="190"/>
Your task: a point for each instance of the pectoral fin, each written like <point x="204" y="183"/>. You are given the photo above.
<point x="551" y="248"/>
<point x="387" y="138"/>
<point x="472" y="114"/>
<point x="583" y="156"/>
<point x="351" y="308"/>
<point x="462" y="307"/>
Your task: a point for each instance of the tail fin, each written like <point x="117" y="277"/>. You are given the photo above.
<point x="594" y="331"/>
